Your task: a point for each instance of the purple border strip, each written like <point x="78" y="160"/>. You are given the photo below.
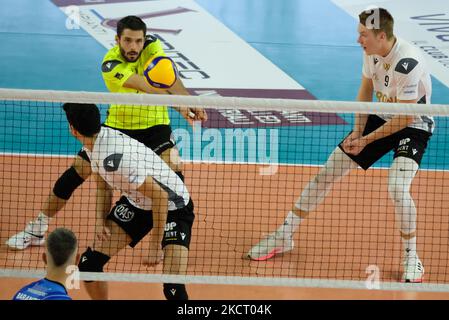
<point x="247" y="119"/>
<point x="65" y="3"/>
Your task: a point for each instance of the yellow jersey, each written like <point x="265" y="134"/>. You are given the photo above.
<point x="116" y="71"/>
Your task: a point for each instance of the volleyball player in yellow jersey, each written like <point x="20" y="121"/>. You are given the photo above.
<point x="122" y="70"/>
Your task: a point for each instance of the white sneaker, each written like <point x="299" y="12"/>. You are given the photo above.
<point x="272" y="245"/>
<point x="413" y="270"/>
<point x="32" y="236"/>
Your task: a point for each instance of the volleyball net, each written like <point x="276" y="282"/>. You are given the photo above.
<point x="245" y="168"/>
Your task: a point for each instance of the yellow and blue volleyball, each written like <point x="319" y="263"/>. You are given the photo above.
<point x="160" y="72"/>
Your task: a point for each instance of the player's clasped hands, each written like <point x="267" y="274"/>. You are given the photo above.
<point x="193" y="114"/>
<point x="354" y="143"/>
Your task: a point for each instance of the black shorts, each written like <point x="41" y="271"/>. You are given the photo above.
<point x="137" y="223"/>
<point x="408" y="142"/>
<point x="178" y="229"/>
<point x="157" y="138"/>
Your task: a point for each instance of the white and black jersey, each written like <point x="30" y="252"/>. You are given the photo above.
<point x="125" y="163"/>
<point x="401" y="75"/>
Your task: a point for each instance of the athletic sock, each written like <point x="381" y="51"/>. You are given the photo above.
<point x="290" y="225"/>
<point x="409" y="246"/>
<point x="39" y="226"/>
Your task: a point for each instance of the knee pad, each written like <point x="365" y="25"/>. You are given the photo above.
<point x="67" y="183"/>
<point x="401" y="175"/>
<point x="175" y="291"/>
<point x="402" y="172"/>
<point x="92" y="261"/>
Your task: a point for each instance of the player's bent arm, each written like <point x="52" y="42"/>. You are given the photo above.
<point x="188" y="113"/>
<point x="365" y="94"/>
<point x="178" y="88"/>
<point x="393" y="125"/>
<point x="159" y="199"/>
<point x="138" y="82"/>
<point x="366" y="90"/>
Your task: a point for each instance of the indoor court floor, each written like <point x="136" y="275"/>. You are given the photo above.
<point x="311" y="46"/>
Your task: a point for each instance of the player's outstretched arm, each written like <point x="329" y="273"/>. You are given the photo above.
<point x="138" y="82"/>
<point x="393" y="125"/>
<point x="178" y="88"/>
<point x="189" y="113"/>
<point x="365" y="94"/>
<point x="390" y="127"/>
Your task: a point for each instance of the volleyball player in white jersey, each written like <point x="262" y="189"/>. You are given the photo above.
<point x="393" y="71"/>
<point x="149" y="188"/>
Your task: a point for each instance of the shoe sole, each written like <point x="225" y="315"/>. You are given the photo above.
<point x="412" y="281"/>
<point x="34" y="243"/>
<point x="270" y="255"/>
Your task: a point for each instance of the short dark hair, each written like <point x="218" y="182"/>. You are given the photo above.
<point x="61" y="244"/>
<point x="84" y="117"/>
<point x="131" y="22"/>
<point x="386" y="21"/>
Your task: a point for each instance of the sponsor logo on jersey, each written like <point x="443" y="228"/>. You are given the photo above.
<point x="406" y="65"/>
<point x="108" y="66"/>
<point x="112" y="162"/>
<point x="384" y="98"/>
<point x="123" y="213"/>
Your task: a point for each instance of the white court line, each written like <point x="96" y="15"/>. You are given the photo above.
<point x="235" y="280"/>
<point x="36" y="155"/>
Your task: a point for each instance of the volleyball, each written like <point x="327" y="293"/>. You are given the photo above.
<point x="160" y="72"/>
